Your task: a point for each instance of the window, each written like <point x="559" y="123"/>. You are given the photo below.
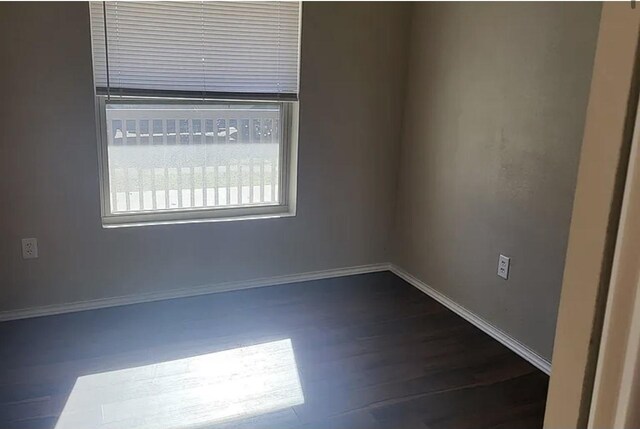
<point x="197" y="107"/>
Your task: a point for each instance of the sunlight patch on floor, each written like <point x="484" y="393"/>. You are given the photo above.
<point x="187" y="393"/>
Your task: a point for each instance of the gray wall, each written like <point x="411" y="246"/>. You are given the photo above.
<point x="493" y="127"/>
<point x="351" y="104"/>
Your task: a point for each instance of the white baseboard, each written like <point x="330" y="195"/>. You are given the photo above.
<point x="183" y="293"/>
<point x="525" y="352"/>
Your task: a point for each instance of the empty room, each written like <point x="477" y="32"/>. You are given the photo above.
<point x="327" y="215"/>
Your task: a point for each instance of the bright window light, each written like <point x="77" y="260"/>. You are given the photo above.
<point x="185" y="161"/>
<point x="187" y="393"/>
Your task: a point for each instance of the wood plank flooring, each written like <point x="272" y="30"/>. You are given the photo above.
<point x="366" y="351"/>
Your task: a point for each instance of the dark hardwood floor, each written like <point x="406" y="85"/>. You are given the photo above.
<point x="366" y="351"/>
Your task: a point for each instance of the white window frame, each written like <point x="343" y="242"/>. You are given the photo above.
<point x="288" y="172"/>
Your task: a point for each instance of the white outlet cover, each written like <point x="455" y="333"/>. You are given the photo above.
<point x="29" y="248"/>
<point x="503" y="266"/>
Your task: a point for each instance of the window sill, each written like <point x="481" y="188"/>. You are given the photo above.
<point x="185" y="218"/>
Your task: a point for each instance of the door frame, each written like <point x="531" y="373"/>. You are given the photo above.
<point x="596" y="223"/>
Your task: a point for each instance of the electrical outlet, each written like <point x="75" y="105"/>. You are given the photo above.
<point x="503" y="266"/>
<point x="29" y="248"/>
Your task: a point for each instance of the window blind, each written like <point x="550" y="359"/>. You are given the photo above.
<point x="197" y="48"/>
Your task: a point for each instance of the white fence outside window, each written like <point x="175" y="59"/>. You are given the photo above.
<point x="182" y="157"/>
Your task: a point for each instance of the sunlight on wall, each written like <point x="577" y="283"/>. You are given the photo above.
<point x="187" y="393"/>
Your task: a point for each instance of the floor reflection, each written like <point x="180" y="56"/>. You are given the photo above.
<point x="187" y="393"/>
